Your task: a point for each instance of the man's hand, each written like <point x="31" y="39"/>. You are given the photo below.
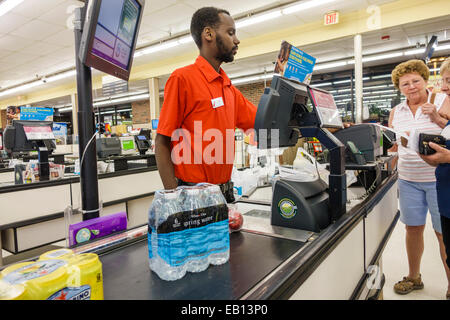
<point x="442" y="155"/>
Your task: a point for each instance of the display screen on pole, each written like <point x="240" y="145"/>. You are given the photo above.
<point x="109" y="35"/>
<point x="326" y="108"/>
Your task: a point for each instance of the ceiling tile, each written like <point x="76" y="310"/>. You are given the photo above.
<point x="66" y="37"/>
<point x="153" y="6"/>
<point x="34" y="8"/>
<point x="41" y="49"/>
<point x="37" y="30"/>
<point x="10" y="22"/>
<point x="14" y="43"/>
<point x="61" y="14"/>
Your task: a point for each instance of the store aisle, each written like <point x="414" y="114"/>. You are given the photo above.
<point x="396" y="266"/>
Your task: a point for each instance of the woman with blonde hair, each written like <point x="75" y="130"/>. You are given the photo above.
<point x="422" y="111"/>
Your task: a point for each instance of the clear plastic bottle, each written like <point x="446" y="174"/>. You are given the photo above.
<point x="165" y="243"/>
<point x="218" y="235"/>
<point x="196" y="235"/>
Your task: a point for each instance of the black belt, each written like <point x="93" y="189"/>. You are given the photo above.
<point x="226" y="188"/>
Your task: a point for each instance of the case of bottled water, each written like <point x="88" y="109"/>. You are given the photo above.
<point x="187" y="230"/>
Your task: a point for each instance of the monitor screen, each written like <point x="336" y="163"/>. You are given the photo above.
<point x="326" y="108"/>
<point x="142" y="138"/>
<point x="127" y="144"/>
<point x="38" y="132"/>
<point x="110" y="34"/>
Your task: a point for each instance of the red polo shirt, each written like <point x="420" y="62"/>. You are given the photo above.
<point x="200" y="112"/>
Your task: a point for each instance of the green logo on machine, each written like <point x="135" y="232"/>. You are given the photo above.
<point x="287" y="208"/>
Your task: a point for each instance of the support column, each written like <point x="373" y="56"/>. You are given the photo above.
<point x="153" y="89"/>
<point x="358" y="78"/>
<point x="74" y="99"/>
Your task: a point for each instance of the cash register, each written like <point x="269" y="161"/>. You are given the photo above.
<point x="287" y="110"/>
<point x="23" y="136"/>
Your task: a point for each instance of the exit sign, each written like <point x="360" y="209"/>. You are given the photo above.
<point x="331" y="18"/>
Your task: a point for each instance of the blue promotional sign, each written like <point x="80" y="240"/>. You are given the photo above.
<point x="155" y="124"/>
<point x="59" y="129"/>
<point x="293" y="63"/>
<point x="36" y="113"/>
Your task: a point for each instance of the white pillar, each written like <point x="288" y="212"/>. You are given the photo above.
<point x="358" y="79"/>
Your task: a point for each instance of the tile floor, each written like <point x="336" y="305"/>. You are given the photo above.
<point x="395" y="266"/>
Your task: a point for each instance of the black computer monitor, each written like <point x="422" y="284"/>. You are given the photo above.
<point x="289" y="105"/>
<point x="110" y="34"/>
<point x="146" y="132"/>
<point x="24" y="135"/>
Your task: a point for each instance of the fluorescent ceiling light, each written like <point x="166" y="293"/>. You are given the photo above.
<point x="383" y="56"/>
<point x="381" y="76"/>
<point x="305" y="5"/>
<point x="446" y="47"/>
<point x="21" y="88"/>
<point x="60" y="76"/>
<point x="8" y="5"/>
<point x="122" y="100"/>
<point x="341" y="81"/>
<point x="65" y="109"/>
<point x="415" y="51"/>
<point x="321" y="84"/>
<point x="252" y="78"/>
<point x="258" y="18"/>
<point x="330" y="65"/>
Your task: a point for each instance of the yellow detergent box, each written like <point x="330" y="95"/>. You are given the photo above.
<point x="56" y="275"/>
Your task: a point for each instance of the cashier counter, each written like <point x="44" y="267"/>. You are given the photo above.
<point x="325" y="257"/>
<point x="32" y="214"/>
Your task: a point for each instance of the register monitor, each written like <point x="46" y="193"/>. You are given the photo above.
<point x="25" y="135"/>
<point x="109" y="35"/>
<point x="283" y="114"/>
<point x="127" y="145"/>
<point x="284" y="109"/>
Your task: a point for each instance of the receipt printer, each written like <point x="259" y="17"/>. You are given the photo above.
<point x="366" y="138"/>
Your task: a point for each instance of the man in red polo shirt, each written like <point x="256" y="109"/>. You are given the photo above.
<point x="195" y="135"/>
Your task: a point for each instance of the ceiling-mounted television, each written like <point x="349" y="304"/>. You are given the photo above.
<point x="109" y="35"/>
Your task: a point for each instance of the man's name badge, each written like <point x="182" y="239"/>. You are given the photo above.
<point x="217" y="102"/>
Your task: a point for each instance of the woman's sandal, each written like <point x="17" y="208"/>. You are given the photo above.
<point x="408" y="284"/>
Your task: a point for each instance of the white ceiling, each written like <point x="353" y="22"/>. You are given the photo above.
<point x="36" y="38"/>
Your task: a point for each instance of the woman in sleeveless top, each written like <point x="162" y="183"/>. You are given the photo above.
<point x="422" y="111"/>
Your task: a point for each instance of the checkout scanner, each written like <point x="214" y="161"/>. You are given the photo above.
<point x="285" y="114"/>
<point x="107" y="147"/>
<point x="143" y="140"/>
<point x="38" y="136"/>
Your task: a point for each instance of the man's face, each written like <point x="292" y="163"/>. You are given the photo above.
<point x="226" y="39"/>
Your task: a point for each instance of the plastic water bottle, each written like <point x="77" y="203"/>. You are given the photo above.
<point x="166" y="245"/>
<point x="218" y="235"/>
<point x="196" y="235"/>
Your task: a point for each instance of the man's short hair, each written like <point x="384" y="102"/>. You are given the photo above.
<point x="202" y="18"/>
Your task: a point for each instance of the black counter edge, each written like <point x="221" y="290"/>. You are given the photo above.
<point x="292" y="275"/>
<point x="376" y="258"/>
<point x="58" y="215"/>
<point x="71" y="180"/>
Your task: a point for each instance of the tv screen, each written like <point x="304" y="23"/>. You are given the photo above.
<point x="109" y="35"/>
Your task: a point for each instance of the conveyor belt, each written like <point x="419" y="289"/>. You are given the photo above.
<point x="128" y="276"/>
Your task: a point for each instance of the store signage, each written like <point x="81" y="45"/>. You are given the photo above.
<point x="331" y="18"/>
<point x="36" y="113"/>
<point x="293" y="63"/>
